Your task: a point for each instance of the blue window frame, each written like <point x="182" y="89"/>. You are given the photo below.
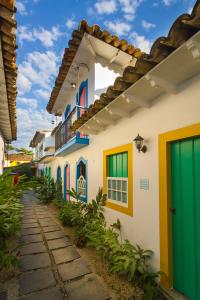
<point x="58" y="175"/>
<point x="82" y="178"/>
<point x="66" y="181"/>
<point x="83" y="85"/>
<point x="67" y="111"/>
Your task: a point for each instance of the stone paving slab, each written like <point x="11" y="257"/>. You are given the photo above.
<point x="52" y="293"/>
<point x="33" y="238"/>
<point x="28" y="210"/>
<point x="88" y="287"/>
<point x="59" y="243"/>
<point x="29" y="225"/>
<point x="33" y="248"/>
<point x="54" y="235"/>
<point x="45" y="219"/>
<point x="36" y="261"/>
<point x="35" y="280"/>
<point x="65" y="255"/>
<point x="28" y="231"/>
<point x="76" y="268"/>
<point x="47" y="223"/>
<point x="43" y="216"/>
<point x="28" y="216"/>
<point x="26" y="220"/>
<point x="51" y="228"/>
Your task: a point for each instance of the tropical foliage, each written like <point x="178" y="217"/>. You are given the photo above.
<point x="11" y="190"/>
<point x="125" y="259"/>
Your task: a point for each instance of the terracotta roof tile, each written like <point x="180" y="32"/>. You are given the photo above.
<point x="19" y="157"/>
<point x="8" y="38"/>
<point x="74" y="44"/>
<point x="182" y="29"/>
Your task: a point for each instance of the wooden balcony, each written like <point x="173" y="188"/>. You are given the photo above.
<point x="67" y="141"/>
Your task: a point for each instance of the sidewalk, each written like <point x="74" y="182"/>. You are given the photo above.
<point x="51" y="267"/>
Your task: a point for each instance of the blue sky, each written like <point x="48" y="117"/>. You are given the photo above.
<point x="44" y="28"/>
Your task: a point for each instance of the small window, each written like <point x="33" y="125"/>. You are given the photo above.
<point x="118" y="178"/>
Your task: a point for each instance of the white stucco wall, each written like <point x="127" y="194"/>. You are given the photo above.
<point x="99" y="78"/>
<point x="1" y="154"/>
<point x="169" y="112"/>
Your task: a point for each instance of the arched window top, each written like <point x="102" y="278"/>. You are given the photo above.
<point x="58" y="173"/>
<point x="81" y="178"/>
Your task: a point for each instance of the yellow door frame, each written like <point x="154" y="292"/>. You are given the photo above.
<point x="164" y="141"/>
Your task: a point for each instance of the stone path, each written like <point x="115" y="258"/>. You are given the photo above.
<point x="50" y="265"/>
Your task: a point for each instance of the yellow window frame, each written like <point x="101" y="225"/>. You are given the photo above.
<point x="129" y="149"/>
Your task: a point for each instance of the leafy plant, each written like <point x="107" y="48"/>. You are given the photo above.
<point x="46" y="189"/>
<point x="10" y="215"/>
<point x="125" y="259"/>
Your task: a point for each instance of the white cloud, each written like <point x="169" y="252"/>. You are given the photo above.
<point x="70" y="23"/>
<point x="46" y="37"/>
<point x="24" y="33"/>
<point x="129" y="17"/>
<point x="30" y="102"/>
<point x="43" y="93"/>
<point x="106" y="6"/>
<point x="118" y="28"/>
<point x="39" y="69"/>
<point x="168" y="2"/>
<point x="141" y="42"/>
<point x="129" y="7"/>
<point x="103" y="77"/>
<point x="190" y="10"/>
<point x="147" y="25"/>
<point x="28" y="121"/>
<point x="21" y="8"/>
<point x="23" y="84"/>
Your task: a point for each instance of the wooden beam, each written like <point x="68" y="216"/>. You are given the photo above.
<point x="156" y="81"/>
<point x="88" y="41"/>
<point x="193" y="47"/>
<point x="97" y="125"/>
<point x="104" y="120"/>
<point x="135" y="99"/>
<point x="88" y="130"/>
<point x="115" y="56"/>
<point x="119" y="112"/>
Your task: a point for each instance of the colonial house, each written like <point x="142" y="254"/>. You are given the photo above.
<point x="15" y="159"/>
<point x="43" y="144"/>
<point x="8" y="75"/>
<point x="138" y="138"/>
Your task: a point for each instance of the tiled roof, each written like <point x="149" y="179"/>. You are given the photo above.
<point x="74" y="44"/>
<point x="39" y="134"/>
<point x="19" y="157"/>
<point x="56" y="128"/>
<point x="182" y="29"/>
<point x="8" y="42"/>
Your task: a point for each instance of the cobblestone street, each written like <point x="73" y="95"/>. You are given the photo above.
<point x="51" y="267"/>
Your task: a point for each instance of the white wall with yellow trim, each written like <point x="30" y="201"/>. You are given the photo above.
<point x="169" y="112"/>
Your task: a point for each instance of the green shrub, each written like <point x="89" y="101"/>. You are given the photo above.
<point x="46" y="189"/>
<point x="10" y="215"/>
<point x="123" y="257"/>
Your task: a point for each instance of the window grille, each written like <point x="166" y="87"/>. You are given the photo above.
<point x="117" y="189"/>
<point x="81" y="186"/>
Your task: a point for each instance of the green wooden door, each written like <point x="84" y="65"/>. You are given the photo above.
<point x="185" y="173"/>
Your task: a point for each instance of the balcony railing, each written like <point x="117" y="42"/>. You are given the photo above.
<point x="64" y="133"/>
